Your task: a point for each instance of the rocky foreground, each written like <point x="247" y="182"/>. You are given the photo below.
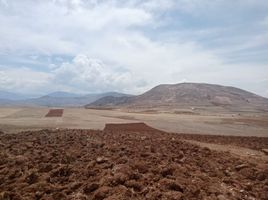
<point x="122" y="162"/>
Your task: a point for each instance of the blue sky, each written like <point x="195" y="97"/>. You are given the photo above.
<point x="130" y="46"/>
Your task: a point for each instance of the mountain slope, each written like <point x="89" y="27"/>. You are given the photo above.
<point x="60" y="99"/>
<point x="186" y="94"/>
<point x="62" y="94"/>
<point x="11" y="96"/>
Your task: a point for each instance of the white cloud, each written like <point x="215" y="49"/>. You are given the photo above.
<point x="138" y="43"/>
<point x="5" y="81"/>
<point x="23" y="80"/>
<point x="4" y="3"/>
<point x="52" y="28"/>
<point x="82" y="75"/>
<point x="93" y="75"/>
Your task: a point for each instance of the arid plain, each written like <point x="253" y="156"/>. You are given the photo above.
<point x="208" y="121"/>
<point x="193" y="154"/>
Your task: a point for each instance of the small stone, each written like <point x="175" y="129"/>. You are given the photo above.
<point x="79" y="196"/>
<point x="265" y="151"/>
<point x="242" y="166"/>
<point x="5" y="195"/>
<point x="182" y="160"/>
<point x="101" y="193"/>
<point x="221" y="197"/>
<point x="143" y="138"/>
<point x="100" y="160"/>
<point x="38" y="195"/>
<point x="90" y="188"/>
<point x="32" y="178"/>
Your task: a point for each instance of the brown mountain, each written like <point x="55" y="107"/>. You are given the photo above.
<point x="187" y="94"/>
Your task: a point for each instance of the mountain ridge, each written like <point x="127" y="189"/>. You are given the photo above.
<point x="186" y="94"/>
<point x="59" y="99"/>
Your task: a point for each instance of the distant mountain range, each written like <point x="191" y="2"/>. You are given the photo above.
<point x="166" y="95"/>
<point x="186" y="94"/>
<point x="55" y="99"/>
<point x="13" y="96"/>
<point x="63" y="94"/>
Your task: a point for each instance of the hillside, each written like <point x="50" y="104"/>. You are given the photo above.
<point x="59" y="99"/>
<point x="187" y="94"/>
<point x="63" y="94"/>
<point x="5" y="96"/>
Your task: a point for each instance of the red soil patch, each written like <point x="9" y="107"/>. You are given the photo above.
<point x="247" y="121"/>
<point x="55" y="113"/>
<point x="119" y="164"/>
<point x="129" y="127"/>
<point x="256" y="143"/>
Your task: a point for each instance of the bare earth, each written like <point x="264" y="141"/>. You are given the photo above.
<point x="123" y="162"/>
<point x="182" y="121"/>
<point x="198" y="160"/>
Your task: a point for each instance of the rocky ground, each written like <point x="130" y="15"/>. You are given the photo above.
<point x="256" y="143"/>
<point x="122" y="162"/>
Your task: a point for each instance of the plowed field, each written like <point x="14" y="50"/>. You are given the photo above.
<point x="55" y="113"/>
<point x="122" y="162"/>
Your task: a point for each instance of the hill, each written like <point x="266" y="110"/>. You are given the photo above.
<point x="4" y="95"/>
<point x="187" y="94"/>
<point x="63" y="94"/>
<point x="59" y="99"/>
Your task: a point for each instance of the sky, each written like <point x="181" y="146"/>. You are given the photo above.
<point x="130" y="46"/>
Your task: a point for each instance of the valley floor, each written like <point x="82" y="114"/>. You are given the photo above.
<point x="179" y="121"/>
<point x="66" y="160"/>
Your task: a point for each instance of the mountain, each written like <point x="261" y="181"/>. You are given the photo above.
<point x="186" y="94"/>
<point x="59" y="94"/>
<point x="11" y="96"/>
<point x="60" y="99"/>
<point x="66" y="100"/>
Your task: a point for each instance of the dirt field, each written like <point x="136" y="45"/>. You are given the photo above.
<point x="123" y="162"/>
<point x="255" y="143"/>
<point x="210" y="122"/>
<point x="55" y="113"/>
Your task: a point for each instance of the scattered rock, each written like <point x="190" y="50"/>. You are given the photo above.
<point x="101" y="193"/>
<point x="59" y="196"/>
<point x="100" y="160"/>
<point x="265" y="151"/>
<point x="32" y="178"/>
<point x="137" y="186"/>
<point x="173" y="195"/>
<point x="20" y="160"/>
<point x="167" y="171"/>
<point x="90" y="188"/>
<point x="242" y="166"/>
<point x="118" y="165"/>
<point x="5" y="196"/>
<point x="221" y="197"/>
<point x="78" y="196"/>
<point x="171" y="185"/>
<point x="119" y="178"/>
<point x="143" y="138"/>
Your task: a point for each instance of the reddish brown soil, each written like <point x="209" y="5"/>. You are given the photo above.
<point x="117" y="164"/>
<point x="55" y="113"/>
<point x="256" y="143"/>
<point x="129" y="127"/>
<point x="247" y="121"/>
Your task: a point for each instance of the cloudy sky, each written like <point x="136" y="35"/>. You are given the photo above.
<point x="130" y="46"/>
